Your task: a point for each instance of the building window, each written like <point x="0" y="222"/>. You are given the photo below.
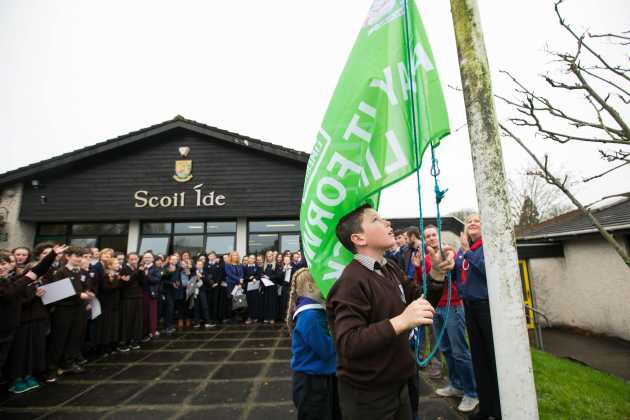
<point x="195" y="236"/>
<point x="278" y="235"/>
<point x="86" y="235"/>
<point x="99" y="229"/>
<point x="50" y="229"/>
<point x="220" y="244"/>
<point x="156" y="244"/>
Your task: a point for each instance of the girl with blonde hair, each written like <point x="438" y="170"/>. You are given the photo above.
<point x="313" y="360"/>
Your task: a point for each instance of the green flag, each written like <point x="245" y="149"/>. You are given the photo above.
<point x="366" y="140"/>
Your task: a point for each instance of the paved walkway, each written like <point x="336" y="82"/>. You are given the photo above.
<point x="607" y="354"/>
<point x="236" y="372"/>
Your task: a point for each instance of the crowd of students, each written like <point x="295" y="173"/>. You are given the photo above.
<point x="122" y="301"/>
<point x="350" y="353"/>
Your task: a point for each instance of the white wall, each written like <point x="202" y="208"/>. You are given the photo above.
<point x="19" y="233"/>
<point x="589" y="288"/>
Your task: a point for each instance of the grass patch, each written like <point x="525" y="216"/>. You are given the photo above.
<point x="568" y="390"/>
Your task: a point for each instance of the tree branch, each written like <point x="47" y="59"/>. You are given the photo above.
<point x="615" y="69"/>
<point x="561" y="185"/>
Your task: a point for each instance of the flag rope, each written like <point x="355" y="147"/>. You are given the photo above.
<point x="439" y="195"/>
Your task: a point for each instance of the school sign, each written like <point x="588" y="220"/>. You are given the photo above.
<point x="366" y="141"/>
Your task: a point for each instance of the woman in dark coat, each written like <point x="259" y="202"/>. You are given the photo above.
<point x="272" y="275"/>
<point x="252" y="290"/>
<point x="217" y="295"/>
<point x="107" y="324"/>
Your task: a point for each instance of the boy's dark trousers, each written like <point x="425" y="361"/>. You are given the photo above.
<point x="169" y="309"/>
<point x="66" y="329"/>
<point x="315" y="397"/>
<point x="201" y="309"/>
<point x="479" y="327"/>
<point x="390" y="403"/>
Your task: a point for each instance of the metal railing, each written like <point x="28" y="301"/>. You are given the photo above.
<point x="537" y="328"/>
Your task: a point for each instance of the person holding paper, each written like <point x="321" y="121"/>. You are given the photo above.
<point x="13" y="291"/>
<point x="68" y="318"/>
<point x="285" y="286"/>
<point x="252" y="290"/>
<point x="271" y="276"/>
<point x="235" y="278"/>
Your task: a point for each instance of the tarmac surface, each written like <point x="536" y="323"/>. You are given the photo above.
<point x="234" y="372"/>
<point x="607" y="354"/>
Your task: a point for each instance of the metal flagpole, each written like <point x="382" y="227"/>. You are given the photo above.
<point x="511" y="344"/>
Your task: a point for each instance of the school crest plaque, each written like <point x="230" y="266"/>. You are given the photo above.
<point x="183" y="168"/>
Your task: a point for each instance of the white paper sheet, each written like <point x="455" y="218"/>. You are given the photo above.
<point x="253" y="285"/>
<point x="266" y="281"/>
<point x="96" y="308"/>
<point x="57" y="291"/>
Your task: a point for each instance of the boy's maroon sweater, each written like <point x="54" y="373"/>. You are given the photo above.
<point x="369" y="353"/>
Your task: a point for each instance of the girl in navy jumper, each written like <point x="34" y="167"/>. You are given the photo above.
<point x="472" y="287"/>
<point x="313" y="360"/>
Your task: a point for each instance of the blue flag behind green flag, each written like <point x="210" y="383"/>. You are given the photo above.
<point x="366" y="139"/>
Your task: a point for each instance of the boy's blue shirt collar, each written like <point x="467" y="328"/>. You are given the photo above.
<point x="305" y="303"/>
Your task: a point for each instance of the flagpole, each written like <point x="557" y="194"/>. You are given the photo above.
<point x="511" y="343"/>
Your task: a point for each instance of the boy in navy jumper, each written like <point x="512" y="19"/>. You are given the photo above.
<point x="313" y="361"/>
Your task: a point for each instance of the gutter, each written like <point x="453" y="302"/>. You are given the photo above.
<point x="573" y="233"/>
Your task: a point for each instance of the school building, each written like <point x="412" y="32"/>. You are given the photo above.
<point x="576" y="278"/>
<point x="176" y="185"/>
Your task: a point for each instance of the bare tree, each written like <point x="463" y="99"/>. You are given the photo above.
<point x="532" y="200"/>
<point x="601" y="84"/>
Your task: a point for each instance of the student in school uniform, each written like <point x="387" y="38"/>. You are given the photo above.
<point x="218" y="294"/>
<point x="252" y="290"/>
<point x="88" y="287"/>
<point x="131" y="314"/>
<point x="67" y="319"/>
<point x="201" y="306"/>
<point x="271" y="273"/>
<point x="152" y="268"/>
<point x="182" y="312"/>
<point x="235" y="278"/>
<point x="171" y="282"/>
<point x="28" y="352"/>
<point x="107" y="325"/>
<point x="284" y="287"/>
<point x="297" y="261"/>
<point x="313" y="352"/>
<point x="18" y="335"/>
<point x="22" y="257"/>
<point x="370" y="321"/>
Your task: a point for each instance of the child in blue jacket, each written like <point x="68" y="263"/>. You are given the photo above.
<point x="313" y="360"/>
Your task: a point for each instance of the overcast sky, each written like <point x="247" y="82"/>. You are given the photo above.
<point x="75" y="73"/>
